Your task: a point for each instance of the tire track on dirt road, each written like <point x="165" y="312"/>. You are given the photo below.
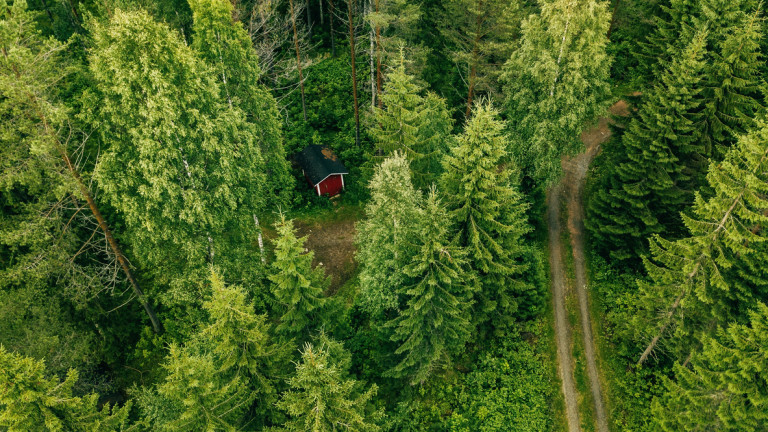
<point x="572" y="185"/>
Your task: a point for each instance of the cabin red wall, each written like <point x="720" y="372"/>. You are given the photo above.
<point x="331" y="186"/>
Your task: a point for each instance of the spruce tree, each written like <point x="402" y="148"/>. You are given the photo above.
<point x="711" y="277"/>
<point x="415" y="125"/>
<point x="480" y="35"/>
<point x="225" y="45"/>
<point x="239" y="341"/>
<point x="482" y="195"/>
<point x="32" y="401"/>
<point x="181" y="168"/>
<point x="556" y="82"/>
<point x="195" y="395"/>
<point x="660" y="162"/>
<point x="297" y="288"/>
<point x="435" y="323"/>
<point x="391" y="219"/>
<point x="322" y="398"/>
<point x="733" y="87"/>
<point x="726" y="386"/>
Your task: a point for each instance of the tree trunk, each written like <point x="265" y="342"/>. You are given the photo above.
<point x="86" y="193"/>
<point x="322" y="17"/>
<point x="378" y="60"/>
<point x="475" y="60"/>
<point x="371" y="54"/>
<point x="309" y="21"/>
<point x="613" y="18"/>
<point x="332" y="12"/>
<point x="298" y="60"/>
<point x="350" y="5"/>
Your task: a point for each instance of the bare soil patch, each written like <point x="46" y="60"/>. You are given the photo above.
<point x="333" y="242"/>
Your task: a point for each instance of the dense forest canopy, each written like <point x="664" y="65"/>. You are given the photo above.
<point x="164" y="264"/>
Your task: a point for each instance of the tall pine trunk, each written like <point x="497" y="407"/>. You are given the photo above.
<point x="378" y="59"/>
<point x="350" y="5"/>
<point x="298" y="60"/>
<point x="332" y="11"/>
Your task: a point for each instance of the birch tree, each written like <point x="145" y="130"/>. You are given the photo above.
<point x="556" y="82"/>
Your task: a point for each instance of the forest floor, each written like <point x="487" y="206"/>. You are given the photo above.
<point x="331" y="236"/>
<point x="570" y="189"/>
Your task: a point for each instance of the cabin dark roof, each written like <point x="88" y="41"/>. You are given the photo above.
<point x="318" y="162"/>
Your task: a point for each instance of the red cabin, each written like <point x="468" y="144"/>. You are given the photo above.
<point x="322" y="169"/>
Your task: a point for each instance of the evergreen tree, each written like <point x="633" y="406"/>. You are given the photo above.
<point x="414" y="125"/>
<point x="196" y="394"/>
<point x="715" y="274"/>
<point x="182" y="170"/>
<point x="435" y="323"/>
<point x="225" y="45"/>
<point x="556" y="81"/>
<point x="227" y="365"/>
<point x="239" y="342"/>
<point x="391" y="219"/>
<point x="394" y="30"/>
<point x="726" y="387"/>
<point x="733" y="85"/>
<point x="660" y="163"/>
<point x="480" y="35"/>
<point x="32" y="401"/>
<point x="489" y="211"/>
<point x="323" y="399"/>
<point x="297" y="288"/>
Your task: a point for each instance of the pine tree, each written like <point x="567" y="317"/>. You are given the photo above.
<point x="323" y="399"/>
<point x="42" y="169"/>
<point x="481" y="36"/>
<point x="726" y="386"/>
<point x="733" y="87"/>
<point x="195" y="395"/>
<point x="297" y="288"/>
<point x="660" y="163"/>
<point x="481" y="192"/>
<point x="556" y="81"/>
<point x="239" y="342"/>
<point x="435" y="323"/>
<point x="225" y="45"/>
<point x="415" y="125"/>
<point x="391" y="219"/>
<point x="393" y="26"/>
<point x="712" y="276"/>
<point x="31" y="401"/>
<point x="228" y="365"/>
<point x="180" y="168"/>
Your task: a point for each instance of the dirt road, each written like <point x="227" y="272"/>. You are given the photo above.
<point x="571" y="187"/>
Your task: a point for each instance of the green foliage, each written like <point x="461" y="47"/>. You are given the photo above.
<point x="480" y="186"/>
<point x="556" y="82"/>
<point x="435" y="324"/>
<point x="32" y="401"/>
<point x="508" y="387"/>
<point x="323" y="399"/>
<point x="479" y="37"/>
<point x="184" y="173"/>
<point x="725" y="388"/>
<point x="391" y="219"/>
<point x="225" y="45"/>
<point x="228" y="365"/>
<point x="659" y="164"/>
<point x="297" y="288"/>
<point x="713" y="276"/>
<point x="418" y="126"/>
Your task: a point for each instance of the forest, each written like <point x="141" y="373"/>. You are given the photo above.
<point x="551" y="217"/>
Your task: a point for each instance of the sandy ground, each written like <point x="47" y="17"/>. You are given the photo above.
<point x="570" y="188"/>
